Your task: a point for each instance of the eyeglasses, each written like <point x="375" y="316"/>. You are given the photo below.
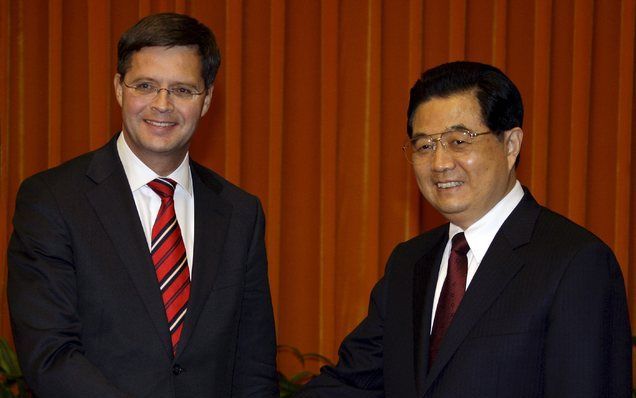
<point x="149" y="90"/>
<point x="421" y="147"/>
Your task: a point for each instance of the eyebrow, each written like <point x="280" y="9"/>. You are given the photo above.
<point x="457" y="127"/>
<point x="154" y="81"/>
<point x="460" y="126"/>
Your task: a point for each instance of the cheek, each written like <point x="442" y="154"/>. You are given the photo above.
<point x="420" y="173"/>
<point x="471" y="168"/>
<point x="131" y="108"/>
<point x="469" y="163"/>
<point x="191" y="115"/>
<point x="488" y="175"/>
<point x="482" y="167"/>
<point x="422" y="177"/>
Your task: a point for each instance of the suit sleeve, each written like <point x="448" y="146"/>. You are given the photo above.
<point x="255" y="370"/>
<point x="588" y="343"/>
<point x="43" y="300"/>
<point x="359" y="372"/>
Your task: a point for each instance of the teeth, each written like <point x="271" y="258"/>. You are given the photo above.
<point x="160" y="124"/>
<point x="451" y="184"/>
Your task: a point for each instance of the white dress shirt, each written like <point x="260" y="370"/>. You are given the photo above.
<point x="479" y="237"/>
<point x="148" y="202"/>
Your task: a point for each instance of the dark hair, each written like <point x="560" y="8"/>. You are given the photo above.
<point x="498" y="97"/>
<point x="169" y="30"/>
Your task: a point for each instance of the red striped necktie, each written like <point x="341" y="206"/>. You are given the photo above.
<point x="170" y="260"/>
<point x="452" y="293"/>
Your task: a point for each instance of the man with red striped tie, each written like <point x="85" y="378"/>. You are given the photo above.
<point x="133" y="270"/>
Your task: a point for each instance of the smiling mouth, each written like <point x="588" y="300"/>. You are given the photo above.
<point x="157" y="123"/>
<point x="449" y="184"/>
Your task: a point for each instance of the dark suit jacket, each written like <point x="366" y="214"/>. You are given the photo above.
<point x="544" y="316"/>
<point x="86" y="310"/>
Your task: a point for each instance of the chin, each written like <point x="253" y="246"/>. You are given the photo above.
<point x="453" y="214"/>
<point x="450" y="207"/>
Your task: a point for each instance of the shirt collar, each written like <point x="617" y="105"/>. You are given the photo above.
<point x="481" y="234"/>
<point x="139" y="174"/>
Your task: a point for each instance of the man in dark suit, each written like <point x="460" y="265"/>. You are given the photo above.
<point x="507" y="300"/>
<point x="133" y="270"/>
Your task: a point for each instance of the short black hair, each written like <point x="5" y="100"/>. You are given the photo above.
<point x="169" y="30"/>
<point x="498" y="97"/>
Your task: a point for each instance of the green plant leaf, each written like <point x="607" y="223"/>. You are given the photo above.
<point x="320" y="358"/>
<point x="288" y="386"/>
<point x="9" y="361"/>
<point x="23" y="390"/>
<point x="282" y="377"/>
<point x="12" y="384"/>
<point x="303" y="376"/>
<point x="293" y="350"/>
<point x="5" y="392"/>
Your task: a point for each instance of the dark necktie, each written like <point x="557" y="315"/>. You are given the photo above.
<point x="170" y="260"/>
<point x="452" y="292"/>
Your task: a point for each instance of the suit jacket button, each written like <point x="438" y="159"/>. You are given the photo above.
<point x="177" y="370"/>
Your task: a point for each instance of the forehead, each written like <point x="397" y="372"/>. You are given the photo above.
<point x="440" y="113"/>
<point x="167" y="63"/>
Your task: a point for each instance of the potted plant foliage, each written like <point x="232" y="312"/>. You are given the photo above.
<point x="12" y="384"/>
<point x="290" y="385"/>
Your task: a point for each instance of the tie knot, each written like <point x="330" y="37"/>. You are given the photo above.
<point x="459" y="244"/>
<point x="163" y="187"/>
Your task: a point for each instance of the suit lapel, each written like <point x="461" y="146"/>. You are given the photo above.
<point x="211" y="222"/>
<point x="499" y="266"/>
<point x="115" y="208"/>
<point x="412" y="274"/>
<point x="425" y="275"/>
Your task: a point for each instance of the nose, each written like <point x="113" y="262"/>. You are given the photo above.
<point x="442" y="158"/>
<point x="161" y="102"/>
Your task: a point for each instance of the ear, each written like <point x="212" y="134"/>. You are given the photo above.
<point x="118" y="88"/>
<point x="512" y="141"/>
<point x="207" y="100"/>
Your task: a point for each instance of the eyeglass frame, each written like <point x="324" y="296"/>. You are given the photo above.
<point x="170" y="91"/>
<point x="408" y="144"/>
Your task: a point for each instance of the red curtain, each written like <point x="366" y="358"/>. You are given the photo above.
<point x="309" y="114"/>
